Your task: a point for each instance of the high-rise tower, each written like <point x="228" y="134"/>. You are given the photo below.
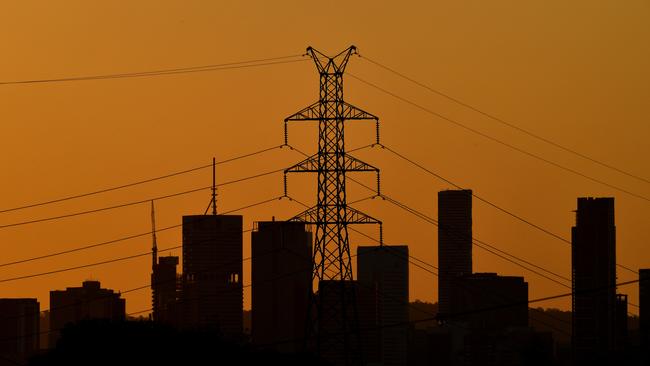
<point x="454" y="243"/>
<point x="383" y="273"/>
<point x="593" y="259"/>
<point x="280" y="282"/>
<point x="212" y="292"/>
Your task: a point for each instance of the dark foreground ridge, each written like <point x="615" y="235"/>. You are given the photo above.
<point x="104" y="342"/>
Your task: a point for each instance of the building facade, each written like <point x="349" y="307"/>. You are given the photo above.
<point x="19" y="330"/>
<point x="454" y="243"/>
<point x="383" y="274"/>
<point x="488" y="302"/>
<point x="165" y="291"/>
<point x="89" y="301"/>
<point x="593" y="260"/>
<point x="281" y="273"/>
<point x="212" y="295"/>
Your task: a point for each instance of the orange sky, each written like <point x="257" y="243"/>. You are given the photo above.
<point x="575" y="72"/>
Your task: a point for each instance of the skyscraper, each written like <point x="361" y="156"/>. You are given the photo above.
<point x="212" y="295"/>
<point x="281" y="282"/>
<point x="593" y="261"/>
<point x="89" y="301"/>
<point x="19" y="330"/>
<point x="384" y="271"/>
<point x="454" y="243"/>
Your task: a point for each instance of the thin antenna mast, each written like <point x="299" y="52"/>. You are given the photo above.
<point x="154" y="248"/>
<point x="154" y="267"/>
<point x="214" y="186"/>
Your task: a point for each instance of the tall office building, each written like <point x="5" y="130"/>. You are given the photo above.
<point x="644" y="310"/>
<point x="89" y="301"/>
<point x="165" y="290"/>
<point x="454" y="243"/>
<point x="384" y="271"/>
<point x="19" y="330"/>
<point x="281" y="282"/>
<point x="212" y="295"/>
<point x="593" y="259"/>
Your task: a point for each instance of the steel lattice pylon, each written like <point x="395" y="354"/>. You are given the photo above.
<point x="333" y="328"/>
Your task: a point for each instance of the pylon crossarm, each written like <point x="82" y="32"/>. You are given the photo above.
<point x="310" y="113"/>
<point x="354" y="216"/>
<point x="353" y="164"/>
<point x="308" y="216"/>
<point x="308" y="165"/>
<point x="355" y="113"/>
<point x="312" y="165"/>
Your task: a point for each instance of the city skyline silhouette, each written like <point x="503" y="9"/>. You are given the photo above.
<point x="92" y="140"/>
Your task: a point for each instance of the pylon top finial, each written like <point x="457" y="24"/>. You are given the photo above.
<point x="331" y="65"/>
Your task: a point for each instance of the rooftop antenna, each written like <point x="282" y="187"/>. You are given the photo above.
<point x="154" y="248"/>
<point x="214" y="186"/>
<point x="154" y="265"/>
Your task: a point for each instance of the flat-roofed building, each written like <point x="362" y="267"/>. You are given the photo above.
<point x="89" y="301"/>
<point x="454" y="243"/>
<point x="281" y="272"/>
<point x="212" y="293"/>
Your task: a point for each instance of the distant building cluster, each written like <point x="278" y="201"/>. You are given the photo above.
<point x="482" y="318"/>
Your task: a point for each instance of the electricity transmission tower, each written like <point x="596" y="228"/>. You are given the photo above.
<point x="333" y="326"/>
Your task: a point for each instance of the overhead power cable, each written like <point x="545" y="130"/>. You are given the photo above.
<point x="498" y="141"/>
<point x="134" y="236"/>
<point x="148" y="180"/>
<point x="143" y="287"/>
<point x="171" y="71"/>
<point x="113" y="260"/>
<point x="478" y="243"/>
<point x="506" y="123"/>
<point x="473" y="311"/>
<point x="484" y="200"/>
<point x="410" y="257"/>
<point x="148" y="200"/>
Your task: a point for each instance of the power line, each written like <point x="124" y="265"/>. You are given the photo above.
<point x="148" y="200"/>
<point x="407" y="303"/>
<point x="505" y="123"/>
<point x="474" y="311"/>
<point x="501" y="142"/>
<point x="148" y="286"/>
<point x="148" y="180"/>
<point x="481" y="244"/>
<point x="114" y="241"/>
<point x="173" y="71"/>
<point x="476" y="242"/>
<point x="123" y="258"/>
<point x="428" y="264"/>
<point x="494" y="205"/>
